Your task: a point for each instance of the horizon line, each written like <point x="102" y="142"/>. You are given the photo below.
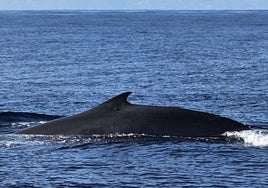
<point x="133" y="9"/>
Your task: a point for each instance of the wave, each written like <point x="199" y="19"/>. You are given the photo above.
<point x="257" y="137"/>
<point x="9" y="117"/>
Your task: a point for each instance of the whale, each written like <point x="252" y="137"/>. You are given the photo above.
<point x="118" y="116"/>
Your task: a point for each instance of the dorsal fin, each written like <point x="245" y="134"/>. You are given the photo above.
<point x="119" y="99"/>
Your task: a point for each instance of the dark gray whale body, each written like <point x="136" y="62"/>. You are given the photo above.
<point x="117" y="115"/>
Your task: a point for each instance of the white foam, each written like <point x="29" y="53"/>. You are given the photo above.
<point x="12" y="140"/>
<point x="26" y="124"/>
<point x="251" y="137"/>
<point x="21" y="124"/>
<point x="42" y="122"/>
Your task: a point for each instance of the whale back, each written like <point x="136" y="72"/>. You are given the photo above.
<point x="117" y="115"/>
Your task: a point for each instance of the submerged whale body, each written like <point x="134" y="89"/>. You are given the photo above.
<point x="117" y="115"/>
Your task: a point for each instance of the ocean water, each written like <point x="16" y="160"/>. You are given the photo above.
<point x="58" y="63"/>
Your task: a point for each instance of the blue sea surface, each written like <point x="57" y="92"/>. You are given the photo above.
<point x="58" y="63"/>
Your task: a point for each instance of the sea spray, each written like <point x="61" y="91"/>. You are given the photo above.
<point x="251" y="137"/>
